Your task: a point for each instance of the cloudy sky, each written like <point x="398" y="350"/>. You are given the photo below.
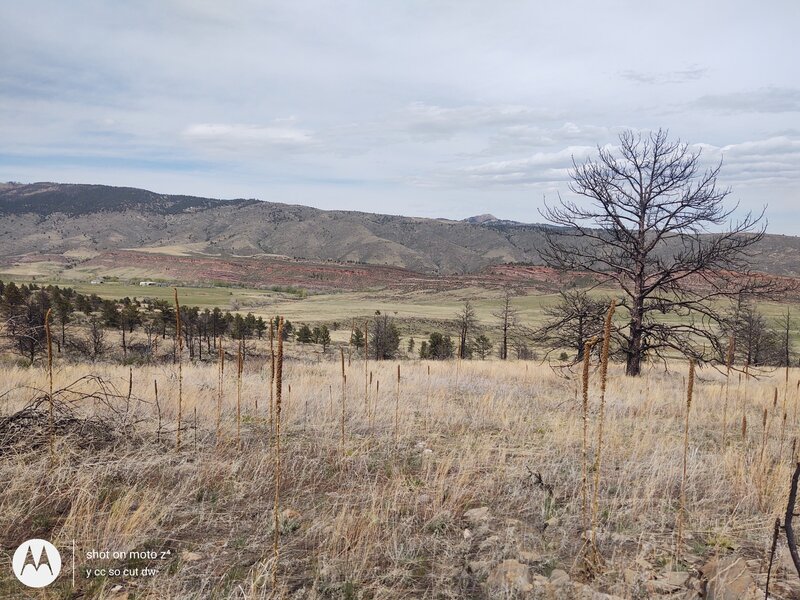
<point x="434" y="108"/>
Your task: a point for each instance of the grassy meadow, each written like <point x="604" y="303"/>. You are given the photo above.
<point x="463" y="482"/>
<point x="421" y="306"/>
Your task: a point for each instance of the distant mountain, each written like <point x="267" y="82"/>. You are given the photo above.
<point x="481" y="219"/>
<point x="51" y="219"/>
<point x="492" y="221"/>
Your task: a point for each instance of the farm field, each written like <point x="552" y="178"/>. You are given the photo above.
<point x="468" y="483"/>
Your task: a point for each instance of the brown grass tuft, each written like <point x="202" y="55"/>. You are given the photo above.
<point x="682" y="502"/>
<point x="278" y="397"/>
<point x="51" y="434"/>
<point x="601" y="418"/>
<point x="179" y="351"/>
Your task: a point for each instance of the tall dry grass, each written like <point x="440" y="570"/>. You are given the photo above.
<point x="385" y="518"/>
<point x="179" y="351"/>
<point x="277" y="450"/>
<point x="51" y="434"/>
<point x="220" y="388"/>
<point x="682" y="500"/>
<point x="598" y="461"/>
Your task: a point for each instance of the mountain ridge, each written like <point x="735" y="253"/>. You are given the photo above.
<point x="53" y="219"/>
<point x="94" y="217"/>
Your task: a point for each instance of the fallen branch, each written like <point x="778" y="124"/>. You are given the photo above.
<point x="787" y="524"/>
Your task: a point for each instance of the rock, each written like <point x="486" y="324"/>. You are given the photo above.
<point x="630" y="576"/>
<point x="424" y="499"/>
<point x="190" y="556"/>
<point x="559" y="577"/>
<point x="670" y="582"/>
<point x="530" y="558"/>
<point x="476" y="515"/>
<point x="489" y="543"/>
<point x="728" y="579"/>
<point x="510" y="576"/>
<point x="691" y="559"/>
<point x="553" y="522"/>
<point x="479" y="567"/>
<point x="467" y="534"/>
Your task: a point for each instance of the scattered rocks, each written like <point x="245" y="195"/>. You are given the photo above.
<point x="510" y="576"/>
<point x="530" y="558"/>
<point x="565" y="589"/>
<point x="728" y="579"/>
<point x="553" y="522"/>
<point x="559" y="577"/>
<point x="489" y="543"/>
<point x="480" y="568"/>
<point x="668" y="583"/>
<point x="477" y="515"/>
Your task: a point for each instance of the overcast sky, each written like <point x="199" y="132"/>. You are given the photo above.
<point x="421" y="108"/>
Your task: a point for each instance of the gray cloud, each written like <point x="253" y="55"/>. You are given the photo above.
<point x="655" y="78"/>
<point x="430" y="120"/>
<point x="764" y="100"/>
<point x="437" y="109"/>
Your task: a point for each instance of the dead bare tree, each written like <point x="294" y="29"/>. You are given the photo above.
<point x="656" y="225"/>
<point x="467" y="321"/>
<point x="507" y="317"/>
<point x="572" y="321"/>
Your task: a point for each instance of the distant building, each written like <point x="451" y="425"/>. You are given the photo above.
<point x="148" y="283"/>
<point x="96" y="281"/>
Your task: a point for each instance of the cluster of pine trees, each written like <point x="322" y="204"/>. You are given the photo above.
<point x="81" y="323"/>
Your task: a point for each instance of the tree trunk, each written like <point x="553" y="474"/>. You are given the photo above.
<point x="634" y="351"/>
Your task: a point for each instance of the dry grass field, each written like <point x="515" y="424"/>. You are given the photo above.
<point x="389" y="511"/>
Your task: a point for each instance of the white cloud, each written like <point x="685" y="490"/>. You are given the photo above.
<point x="234" y="135"/>
<point x="765" y="100"/>
<point x="756" y="162"/>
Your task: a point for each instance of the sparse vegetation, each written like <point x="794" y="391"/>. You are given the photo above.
<point x="340" y="497"/>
